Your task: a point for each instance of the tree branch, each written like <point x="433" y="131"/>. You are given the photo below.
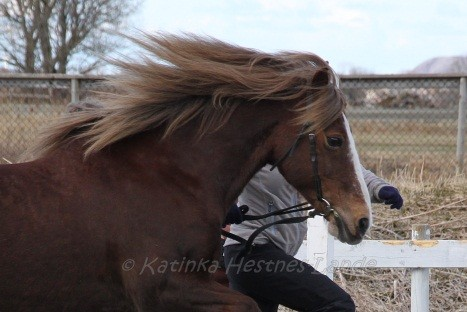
<point x="54" y="33"/>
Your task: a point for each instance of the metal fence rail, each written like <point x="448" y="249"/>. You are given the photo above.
<point x="399" y="122"/>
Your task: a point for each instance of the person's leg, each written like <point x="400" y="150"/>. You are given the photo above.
<point x="269" y="275"/>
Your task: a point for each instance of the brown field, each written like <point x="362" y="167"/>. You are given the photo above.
<point x="416" y="156"/>
<point x="387" y="146"/>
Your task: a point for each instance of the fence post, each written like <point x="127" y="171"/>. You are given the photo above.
<point x="320" y="247"/>
<point x="461" y="124"/>
<point x="74" y="90"/>
<point x="420" y="288"/>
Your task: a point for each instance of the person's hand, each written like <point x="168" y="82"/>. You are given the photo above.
<point x="235" y="214"/>
<point x="391" y="196"/>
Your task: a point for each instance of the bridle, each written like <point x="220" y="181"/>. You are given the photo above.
<point x="328" y="210"/>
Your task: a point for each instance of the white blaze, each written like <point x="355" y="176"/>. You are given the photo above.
<point x="358" y="166"/>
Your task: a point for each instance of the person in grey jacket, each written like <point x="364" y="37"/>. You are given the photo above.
<point x="269" y="273"/>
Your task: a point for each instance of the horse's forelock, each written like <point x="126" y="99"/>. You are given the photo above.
<point x="322" y="105"/>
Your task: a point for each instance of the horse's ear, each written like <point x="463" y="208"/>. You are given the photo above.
<point x="320" y="78"/>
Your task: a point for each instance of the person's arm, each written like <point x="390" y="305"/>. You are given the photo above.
<point x="381" y="191"/>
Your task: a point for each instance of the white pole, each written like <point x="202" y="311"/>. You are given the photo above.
<point x="320" y="247"/>
<point x="420" y="298"/>
<point x="74" y="90"/>
<point x="461" y="125"/>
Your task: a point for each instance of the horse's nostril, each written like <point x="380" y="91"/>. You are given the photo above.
<point x="363" y="225"/>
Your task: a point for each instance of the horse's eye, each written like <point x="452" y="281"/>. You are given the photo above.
<point x="334" y="141"/>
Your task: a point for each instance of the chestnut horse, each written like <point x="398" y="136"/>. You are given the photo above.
<point x="121" y="206"/>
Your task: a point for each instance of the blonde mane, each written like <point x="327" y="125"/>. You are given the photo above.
<point x="182" y="78"/>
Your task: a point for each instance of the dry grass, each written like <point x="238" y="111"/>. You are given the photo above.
<point x="437" y="200"/>
<point x="421" y="144"/>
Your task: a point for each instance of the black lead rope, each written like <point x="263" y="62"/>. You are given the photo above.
<point x="249" y="242"/>
<point x="291" y="209"/>
<point x="283" y="211"/>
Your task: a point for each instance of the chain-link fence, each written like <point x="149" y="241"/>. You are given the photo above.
<point x="406" y="122"/>
<point x="29" y="102"/>
<point x="399" y="122"/>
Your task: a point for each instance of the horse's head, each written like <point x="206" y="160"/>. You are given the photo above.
<point x="324" y="166"/>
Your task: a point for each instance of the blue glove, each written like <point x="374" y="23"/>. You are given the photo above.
<point x="235" y="214"/>
<point x="391" y="196"/>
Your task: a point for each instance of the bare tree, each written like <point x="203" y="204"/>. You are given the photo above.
<point x="58" y="36"/>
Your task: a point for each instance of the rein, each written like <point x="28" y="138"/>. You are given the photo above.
<point x="296" y="208"/>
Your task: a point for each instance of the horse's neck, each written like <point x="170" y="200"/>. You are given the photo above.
<point x="221" y="162"/>
<point x="226" y="159"/>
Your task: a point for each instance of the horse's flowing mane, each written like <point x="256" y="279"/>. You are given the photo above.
<point x="182" y="78"/>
